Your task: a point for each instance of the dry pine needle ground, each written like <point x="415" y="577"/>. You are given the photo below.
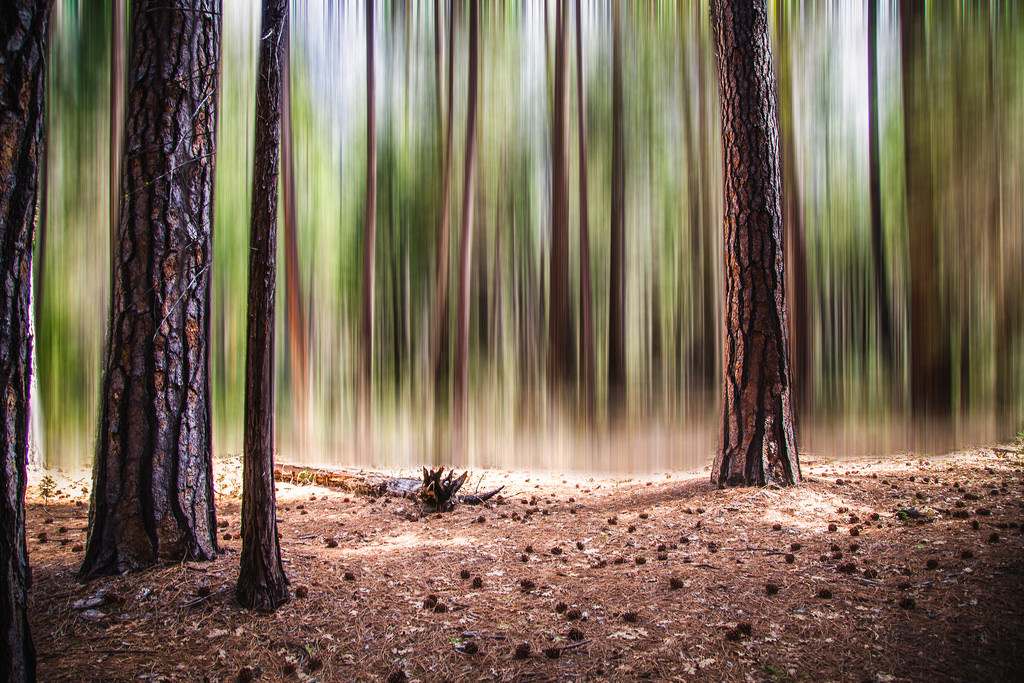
<point x="574" y="578"/>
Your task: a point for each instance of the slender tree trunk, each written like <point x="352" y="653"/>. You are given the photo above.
<point x="478" y="284"/>
<point x="152" y="496"/>
<point x="369" y="236"/>
<point x="298" y="347"/>
<point x="617" y="284"/>
<point x="466" y="243"/>
<point x="930" y="352"/>
<point x="261" y="580"/>
<point x="24" y="32"/>
<point x="758" y="444"/>
<point x="587" y="333"/>
<point x="561" y="345"/>
<point x="440" y="342"/>
<point x="875" y="185"/>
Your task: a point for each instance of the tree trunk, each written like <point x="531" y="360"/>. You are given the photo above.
<point x="23" y="37"/>
<point x="261" y="581"/>
<point x="440" y="341"/>
<point x="466" y="243"/>
<point x="478" y="278"/>
<point x="617" y="284"/>
<point x="587" y="333"/>
<point x="758" y="444"/>
<point x="561" y="346"/>
<point x="875" y="185"/>
<point x="365" y="373"/>
<point x="930" y="352"/>
<point x="152" y="497"/>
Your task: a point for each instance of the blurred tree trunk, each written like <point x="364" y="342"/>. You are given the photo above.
<point x="440" y="343"/>
<point x="617" y="283"/>
<point x="466" y="243"/>
<point x="261" y="580"/>
<point x="561" y="363"/>
<point x="758" y="444"/>
<point x="479" y="279"/>
<point x="875" y="184"/>
<point x="298" y="346"/>
<point x="497" y="341"/>
<point x="930" y="352"/>
<point x="587" y="332"/>
<point x="365" y="373"/>
<point x="152" y="496"/>
<point x="701" y="355"/>
<point x="793" y="225"/>
<point x="24" y="32"/>
<point x="1008" y="308"/>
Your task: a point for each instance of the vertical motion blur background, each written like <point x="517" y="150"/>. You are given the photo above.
<point x="948" y="240"/>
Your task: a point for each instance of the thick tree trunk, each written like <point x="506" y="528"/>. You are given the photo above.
<point x="466" y="244"/>
<point x="261" y="581"/>
<point x="758" y="444"/>
<point x="561" y="345"/>
<point x="617" y="284"/>
<point x="152" y="496"/>
<point x="587" y="324"/>
<point x="23" y="37"/>
<point x="931" y="373"/>
<point x="365" y="371"/>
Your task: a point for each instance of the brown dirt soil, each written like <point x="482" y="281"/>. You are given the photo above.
<point x="658" y="578"/>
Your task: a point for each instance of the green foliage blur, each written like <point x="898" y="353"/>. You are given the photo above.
<point x="855" y="400"/>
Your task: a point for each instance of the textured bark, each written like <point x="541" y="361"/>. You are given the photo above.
<point x="152" y="497"/>
<point x="365" y="371"/>
<point x="586" y="313"/>
<point x="617" y="284"/>
<point x="875" y="184"/>
<point x="261" y="581"/>
<point x="757" y="444"/>
<point x="931" y="373"/>
<point x="23" y="37"/>
<point x="561" y="343"/>
<point x="459" y="397"/>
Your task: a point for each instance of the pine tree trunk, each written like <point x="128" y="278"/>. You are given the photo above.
<point x="23" y="36"/>
<point x="617" y="284"/>
<point x="561" y="345"/>
<point x="261" y="581"/>
<point x="461" y="381"/>
<point x="758" y="444"/>
<point x="152" y="496"/>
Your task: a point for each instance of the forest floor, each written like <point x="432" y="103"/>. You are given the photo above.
<point x="575" y="578"/>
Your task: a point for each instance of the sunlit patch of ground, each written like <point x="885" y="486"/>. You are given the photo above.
<point x="662" y="577"/>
